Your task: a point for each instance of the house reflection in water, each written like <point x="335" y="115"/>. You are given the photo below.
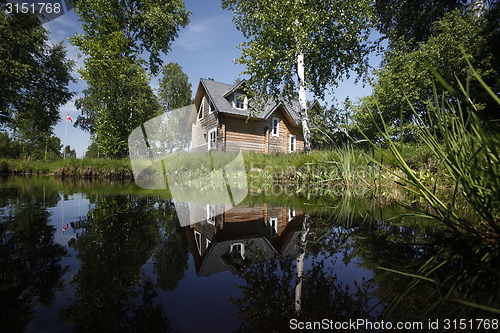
<point x="224" y="240"/>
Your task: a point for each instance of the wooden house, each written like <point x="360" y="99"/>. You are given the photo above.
<point x="224" y="118"/>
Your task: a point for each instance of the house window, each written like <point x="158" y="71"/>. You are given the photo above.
<point x="211" y="108"/>
<point x="212" y="139"/>
<point x="211" y="214"/>
<point x="276" y="127"/>
<point x="197" y="238"/>
<point x="293" y="143"/>
<point x="273" y="226"/>
<point x="200" y="110"/>
<point x="291" y="214"/>
<point x="240" y="101"/>
<point x="237" y="251"/>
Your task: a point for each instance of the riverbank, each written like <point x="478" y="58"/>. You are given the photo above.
<point x="352" y="167"/>
<point x="69" y="168"/>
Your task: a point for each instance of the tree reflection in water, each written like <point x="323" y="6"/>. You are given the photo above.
<point x="277" y="290"/>
<point x="171" y="257"/>
<point x="113" y="293"/>
<point x="30" y="260"/>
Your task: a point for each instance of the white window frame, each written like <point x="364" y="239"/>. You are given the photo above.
<point x="213" y="130"/>
<point x="273" y="226"/>
<point x="241" y="250"/>
<point x="293" y="143"/>
<point x="211" y="213"/>
<point x="237" y="98"/>
<point x="277" y="120"/>
<point x="200" y="111"/>
<point x="291" y="214"/>
<point x="198" y="239"/>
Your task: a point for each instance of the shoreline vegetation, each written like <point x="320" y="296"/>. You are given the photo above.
<point x="344" y="171"/>
<point x="112" y="169"/>
<point x="348" y="166"/>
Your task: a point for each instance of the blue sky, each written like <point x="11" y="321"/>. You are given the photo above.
<point x="206" y="48"/>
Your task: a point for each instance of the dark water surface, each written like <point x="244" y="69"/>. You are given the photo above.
<point x="109" y="257"/>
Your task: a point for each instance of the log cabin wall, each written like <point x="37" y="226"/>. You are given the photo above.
<point x="255" y="134"/>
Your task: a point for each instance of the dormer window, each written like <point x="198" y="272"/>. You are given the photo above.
<point x="240" y="101"/>
<point x="237" y="251"/>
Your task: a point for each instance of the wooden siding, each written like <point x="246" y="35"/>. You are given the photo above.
<point x="255" y="134"/>
<point x="247" y="134"/>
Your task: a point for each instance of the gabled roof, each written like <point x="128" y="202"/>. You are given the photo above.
<point x="218" y="94"/>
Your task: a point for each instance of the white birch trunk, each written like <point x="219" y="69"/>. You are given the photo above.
<point x="300" y="264"/>
<point x="303" y="103"/>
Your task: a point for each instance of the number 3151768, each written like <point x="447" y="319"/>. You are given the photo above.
<point x="35" y="7"/>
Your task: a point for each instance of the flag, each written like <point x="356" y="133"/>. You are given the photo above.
<point x="69" y="118"/>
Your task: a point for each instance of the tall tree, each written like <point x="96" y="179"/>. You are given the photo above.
<point x="412" y="21"/>
<point x="405" y="82"/>
<point x="175" y="89"/>
<point x="34" y="77"/>
<point x="113" y="107"/>
<point x="69" y="153"/>
<point x="116" y="35"/>
<point x="294" y="45"/>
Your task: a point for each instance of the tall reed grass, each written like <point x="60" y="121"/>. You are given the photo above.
<point x="467" y="149"/>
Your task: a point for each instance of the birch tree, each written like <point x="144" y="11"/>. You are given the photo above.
<point x="295" y="45"/>
<point x="122" y="42"/>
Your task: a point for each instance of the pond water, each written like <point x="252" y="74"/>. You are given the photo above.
<point x="109" y="257"/>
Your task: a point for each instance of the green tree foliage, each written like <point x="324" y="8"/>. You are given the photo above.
<point x="175" y="90"/>
<point x="92" y="151"/>
<point x="8" y="147"/>
<point x="47" y="149"/>
<point x="406" y="79"/>
<point x="128" y="27"/>
<point x="112" y="108"/>
<point x="53" y="147"/>
<point x="330" y="126"/>
<point x="116" y="35"/>
<point x="332" y="37"/>
<point x="69" y="153"/>
<point x="34" y="78"/>
<point x="412" y="21"/>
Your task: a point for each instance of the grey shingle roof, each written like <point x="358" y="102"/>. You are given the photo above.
<point x="217" y="90"/>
